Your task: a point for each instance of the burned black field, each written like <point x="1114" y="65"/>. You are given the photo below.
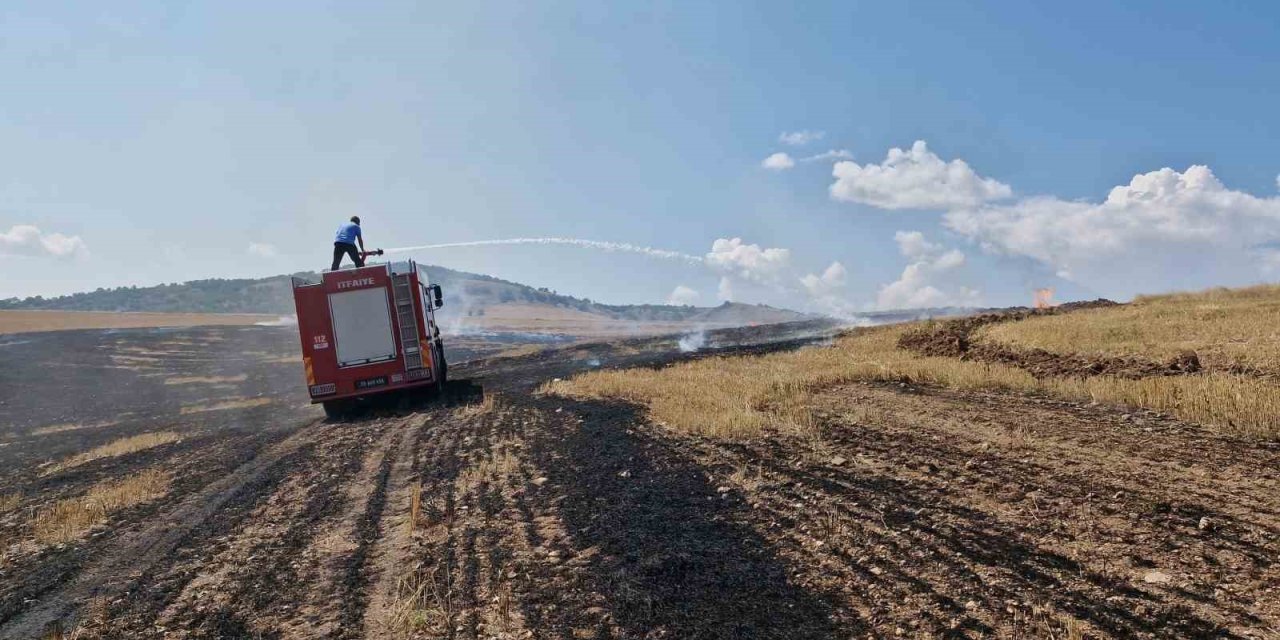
<point x="264" y="499"/>
<point x="496" y="511"/>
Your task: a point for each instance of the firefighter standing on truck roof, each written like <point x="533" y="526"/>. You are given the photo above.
<point x="345" y="242"/>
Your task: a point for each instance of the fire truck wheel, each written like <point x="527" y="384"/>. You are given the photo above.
<point x="335" y="409"/>
<point x="444" y="364"/>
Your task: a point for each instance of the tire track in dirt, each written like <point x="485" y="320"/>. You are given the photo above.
<point x="398" y="557"/>
<point x="259" y="582"/>
<point x="484" y="560"/>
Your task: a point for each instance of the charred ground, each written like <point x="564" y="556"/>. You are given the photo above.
<point x="497" y="512"/>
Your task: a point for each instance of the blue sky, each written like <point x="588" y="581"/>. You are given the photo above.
<point x="167" y="137"/>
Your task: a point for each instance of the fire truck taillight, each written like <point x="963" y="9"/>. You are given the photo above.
<point x="323" y="389"/>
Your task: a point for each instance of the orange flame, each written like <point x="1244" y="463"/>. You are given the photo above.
<point x="1043" y="298"/>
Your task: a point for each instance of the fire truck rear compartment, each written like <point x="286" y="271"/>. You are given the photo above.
<point x="361" y="326"/>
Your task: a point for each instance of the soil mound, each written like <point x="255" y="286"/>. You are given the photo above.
<point x="953" y="339"/>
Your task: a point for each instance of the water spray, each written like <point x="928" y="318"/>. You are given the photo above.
<point x="662" y="254"/>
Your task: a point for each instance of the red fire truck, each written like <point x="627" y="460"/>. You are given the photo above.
<point x="367" y="331"/>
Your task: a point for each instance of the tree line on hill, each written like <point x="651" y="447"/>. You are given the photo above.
<point x="464" y="293"/>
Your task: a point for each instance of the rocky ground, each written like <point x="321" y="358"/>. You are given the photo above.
<point x="496" y="512"/>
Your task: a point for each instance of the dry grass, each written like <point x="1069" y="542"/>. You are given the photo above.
<point x="494" y="467"/>
<point x="232" y="403"/>
<point x="9" y="502"/>
<point x="521" y="350"/>
<point x="485" y="406"/>
<point x="59" y="428"/>
<point x="1239" y="405"/>
<point x="425" y="603"/>
<point x="740" y="397"/>
<point x="67" y="519"/>
<point x="116" y="448"/>
<point x="23" y="321"/>
<point x="415" y="506"/>
<point x="206" y="379"/>
<point x="1223" y="326"/>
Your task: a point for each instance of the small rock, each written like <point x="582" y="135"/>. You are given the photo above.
<point x="723" y="489"/>
<point x="876" y="570"/>
<point x="971" y="605"/>
<point x="1156" y="577"/>
<point x="539" y="481"/>
<point x="624" y="474"/>
<point x="1206" y="524"/>
<point x="838" y="460"/>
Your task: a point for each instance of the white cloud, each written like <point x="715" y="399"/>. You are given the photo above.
<point x="834" y="154"/>
<point x="1163" y="230"/>
<point x="263" y="250"/>
<point x="778" y="162"/>
<point x="751" y="262"/>
<point x="28" y="240"/>
<point x="826" y="284"/>
<point x="800" y="138"/>
<point x="920" y="284"/>
<point x="913" y="245"/>
<point x="682" y="295"/>
<point x="915" y="178"/>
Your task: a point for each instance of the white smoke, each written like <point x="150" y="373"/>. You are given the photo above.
<point x="282" y="321"/>
<point x="574" y="242"/>
<point x="691" y="342"/>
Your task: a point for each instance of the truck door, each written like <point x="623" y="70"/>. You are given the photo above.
<point x="362" y="330"/>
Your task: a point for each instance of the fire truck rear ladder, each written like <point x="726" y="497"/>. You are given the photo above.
<point x="408" y="317"/>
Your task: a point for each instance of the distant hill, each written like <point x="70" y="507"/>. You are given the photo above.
<point x="466" y="295"/>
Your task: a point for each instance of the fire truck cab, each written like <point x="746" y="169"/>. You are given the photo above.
<point x="367" y="331"/>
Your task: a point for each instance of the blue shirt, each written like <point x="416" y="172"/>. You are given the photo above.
<point x="347" y="233"/>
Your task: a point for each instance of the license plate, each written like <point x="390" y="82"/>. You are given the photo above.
<point x="370" y="383"/>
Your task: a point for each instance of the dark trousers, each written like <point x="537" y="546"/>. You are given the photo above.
<point x="340" y="248"/>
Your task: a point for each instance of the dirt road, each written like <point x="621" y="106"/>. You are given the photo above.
<point x="911" y="513"/>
